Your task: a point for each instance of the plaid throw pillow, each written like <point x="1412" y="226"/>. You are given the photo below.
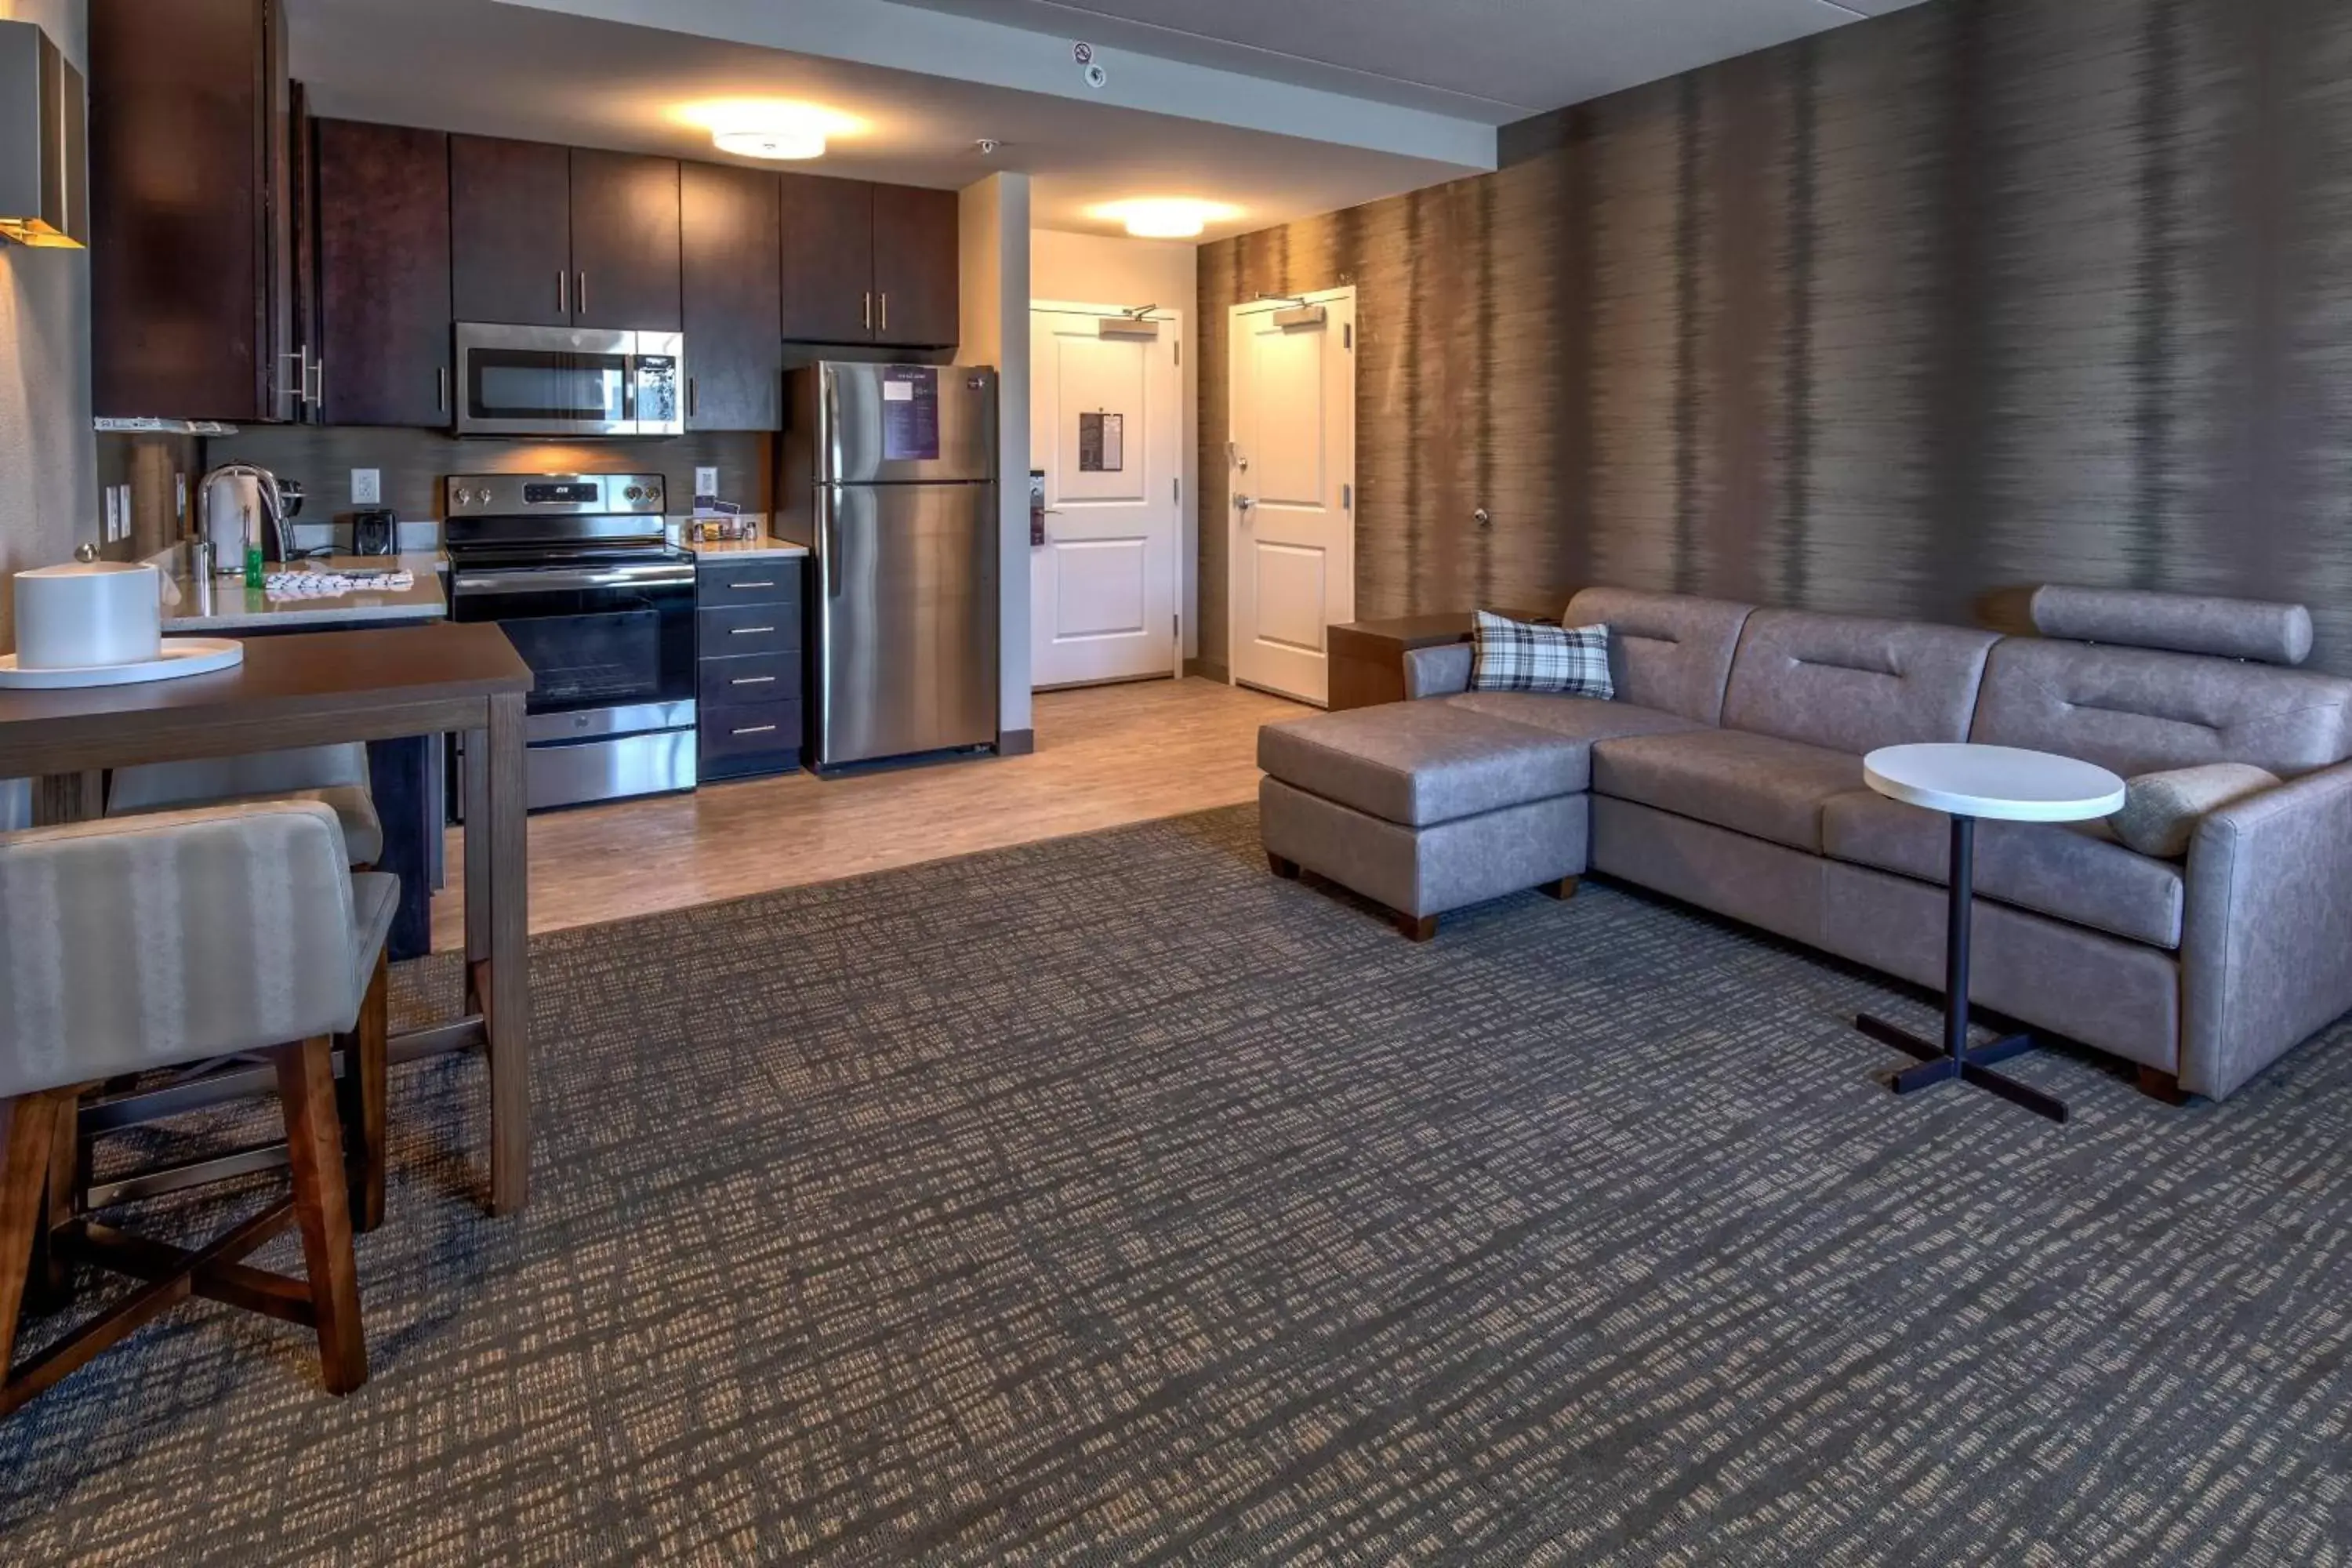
<point x="1516" y="656"/>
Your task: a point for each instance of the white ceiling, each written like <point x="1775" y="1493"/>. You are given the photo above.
<point x="1495" y="60"/>
<point x="1377" y="95"/>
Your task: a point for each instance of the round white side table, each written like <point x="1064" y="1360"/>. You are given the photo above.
<point x="1998" y="783"/>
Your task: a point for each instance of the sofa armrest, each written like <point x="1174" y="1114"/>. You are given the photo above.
<point x="2266" y="945"/>
<point x="1439" y="671"/>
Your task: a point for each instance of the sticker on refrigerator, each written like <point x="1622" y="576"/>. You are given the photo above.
<point x="910" y="413"/>
<point x="1102" y="443"/>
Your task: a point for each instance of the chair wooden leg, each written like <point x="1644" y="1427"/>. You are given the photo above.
<point x="1563" y="890"/>
<point x="1417" y="928"/>
<point x="1285" y="870"/>
<point x="27" y="1126"/>
<point x="2157" y="1084"/>
<point x="361" y="1096"/>
<point x="49" y="1283"/>
<point x="322" y="1206"/>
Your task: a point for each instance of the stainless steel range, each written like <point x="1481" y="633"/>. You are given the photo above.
<point x="578" y="572"/>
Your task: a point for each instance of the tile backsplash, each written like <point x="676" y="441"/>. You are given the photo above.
<point x="412" y="463"/>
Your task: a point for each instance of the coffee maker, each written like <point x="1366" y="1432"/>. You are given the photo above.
<point x="236" y="498"/>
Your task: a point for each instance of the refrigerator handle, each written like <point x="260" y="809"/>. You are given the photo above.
<point x="829" y="540"/>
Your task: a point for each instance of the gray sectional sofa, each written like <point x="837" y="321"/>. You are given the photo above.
<point x="1728" y="773"/>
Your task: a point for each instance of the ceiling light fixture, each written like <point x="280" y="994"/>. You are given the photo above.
<point x="1166" y="217"/>
<point x="776" y="142"/>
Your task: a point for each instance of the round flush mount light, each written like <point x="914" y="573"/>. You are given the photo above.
<point x="777" y="142"/>
<point x="1166" y="217"/>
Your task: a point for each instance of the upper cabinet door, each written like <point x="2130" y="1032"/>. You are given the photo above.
<point x="624" y="242"/>
<point x="915" y="267"/>
<point x="734" y="288"/>
<point x="382" y="260"/>
<point x="511" y="231"/>
<point x="828" y="260"/>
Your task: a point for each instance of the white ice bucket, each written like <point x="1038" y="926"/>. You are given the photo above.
<point x="88" y="613"/>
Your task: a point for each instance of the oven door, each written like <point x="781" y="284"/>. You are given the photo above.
<point x="611" y="646"/>
<point x="545" y="381"/>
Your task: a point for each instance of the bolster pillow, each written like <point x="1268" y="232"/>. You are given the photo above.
<point x="2177" y="623"/>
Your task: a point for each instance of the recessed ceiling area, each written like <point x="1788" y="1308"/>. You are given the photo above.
<point x="1271" y="110"/>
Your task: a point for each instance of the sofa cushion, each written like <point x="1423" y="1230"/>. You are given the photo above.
<point x="1668" y="651"/>
<point x="1758" y="784"/>
<point x="2161" y="811"/>
<point x="1522" y="656"/>
<point x="1423" y="762"/>
<point x="2136" y="711"/>
<point x="2058" y="870"/>
<point x="2183" y="623"/>
<point x="1853" y="684"/>
<point x="1583" y="718"/>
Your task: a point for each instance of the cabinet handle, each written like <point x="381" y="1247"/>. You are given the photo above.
<point x="562" y="292"/>
<point x="886" y="310"/>
<point x="749" y="631"/>
<point x="583" y="291"/>
<point x="769" y="583"/>
<point x="441" y="390"/>
<point x="752" y="680"/>
<point x="319" y="397"/>
<point x="693" y="401"/>
<point x="756" y="730"/>
<point x="300" y="393"/>
<point x="866" y="316"/>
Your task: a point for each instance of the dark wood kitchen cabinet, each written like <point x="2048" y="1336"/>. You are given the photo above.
<point x="511" y="231"/>
<point x="916" y="266"/>
<point x="624" y="241"/>
<point x="381" y="260"/>
<point x="869" y="263"/>
<point x="190" y="212"/>
<point x="731" y="270"/>
<point x="828" y="260"/>
<point x="543" y="236"/>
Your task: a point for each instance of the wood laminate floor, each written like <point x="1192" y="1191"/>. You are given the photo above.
<point x="1106" y="755"/>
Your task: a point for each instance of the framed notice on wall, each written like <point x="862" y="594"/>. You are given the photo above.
<point x="1102" y="443"/>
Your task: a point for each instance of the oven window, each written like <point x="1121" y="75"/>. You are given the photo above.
<point x="596" y="648"/>
<point x="525" y="383"/>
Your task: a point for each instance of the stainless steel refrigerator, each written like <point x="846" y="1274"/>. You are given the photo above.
<point x="889" y="477"/>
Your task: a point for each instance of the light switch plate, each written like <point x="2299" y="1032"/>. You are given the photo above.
<point x="367" y="487"/>
<point x="706" y="483"/>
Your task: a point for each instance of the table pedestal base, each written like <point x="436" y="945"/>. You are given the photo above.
<point x="1974" y="1067"/>
<point x="1954" y="1058"/>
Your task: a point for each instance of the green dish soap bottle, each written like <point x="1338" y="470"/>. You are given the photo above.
<point x="253" y="578"/>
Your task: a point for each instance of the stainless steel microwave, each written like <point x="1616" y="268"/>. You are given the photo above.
<point x="569" y="380"/>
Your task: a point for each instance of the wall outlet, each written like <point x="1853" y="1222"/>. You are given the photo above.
<point x="706" y="483"/>
<point x="367" y="487"/>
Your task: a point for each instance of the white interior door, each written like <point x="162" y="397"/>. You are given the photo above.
<point x="1107" y="427"/>
<point x="1291" y="523"/>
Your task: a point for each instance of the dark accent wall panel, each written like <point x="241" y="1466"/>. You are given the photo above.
<point x="1984" y="293"/>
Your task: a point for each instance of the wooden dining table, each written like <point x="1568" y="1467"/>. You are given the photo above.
<point x="318" y="688"/>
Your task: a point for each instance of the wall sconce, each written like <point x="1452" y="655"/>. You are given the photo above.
<point x="44" y="142"/>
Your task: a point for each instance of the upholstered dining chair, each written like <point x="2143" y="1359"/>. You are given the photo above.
<point x="139" y="943"/>
<point x="335" y="776"/>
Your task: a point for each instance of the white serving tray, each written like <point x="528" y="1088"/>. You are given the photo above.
<point x="181" y="656"/>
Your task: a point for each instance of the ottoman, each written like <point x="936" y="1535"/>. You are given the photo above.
<point x="1424" y="807"/>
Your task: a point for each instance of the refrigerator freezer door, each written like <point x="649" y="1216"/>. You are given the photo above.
<point x="906" y="424"/>
<point x="907" y="617"/>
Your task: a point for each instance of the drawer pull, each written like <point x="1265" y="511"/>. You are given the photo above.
<point x="752" y="680"/>
<point x="769" y="583"/>
<point x="755" y="729"/>
<point x="749" y="631"/>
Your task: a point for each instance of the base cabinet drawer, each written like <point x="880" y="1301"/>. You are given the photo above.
<point x="751" y="677"/>
<point x="740" y="629"/>
<point x="752" y="738"/>
<point x="718" y="585"/>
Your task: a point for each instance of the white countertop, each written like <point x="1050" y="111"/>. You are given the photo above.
<point x="762" y="548"/>
<point x="236" y="607"/>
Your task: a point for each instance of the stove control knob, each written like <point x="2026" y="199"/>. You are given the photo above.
<point x="460" y="496"/>
<point x="635" y="492"/>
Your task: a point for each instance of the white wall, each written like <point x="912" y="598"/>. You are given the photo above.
<point x="48" y="459"/>
<point x="1111" y="269"/>
<point x="994" y="219"/>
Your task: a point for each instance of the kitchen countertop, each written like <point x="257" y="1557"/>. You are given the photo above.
<point x="237" y="607"/>
<point x="763" y="548"/>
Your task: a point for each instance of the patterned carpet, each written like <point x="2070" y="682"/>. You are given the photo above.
<point x="1107" y="1200"/>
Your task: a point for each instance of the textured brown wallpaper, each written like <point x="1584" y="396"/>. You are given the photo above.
<point x="1983" y="293"/>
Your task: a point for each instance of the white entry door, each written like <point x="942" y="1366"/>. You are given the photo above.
<point x="1107" y="428"/>
<point x="1291" y="526"/>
